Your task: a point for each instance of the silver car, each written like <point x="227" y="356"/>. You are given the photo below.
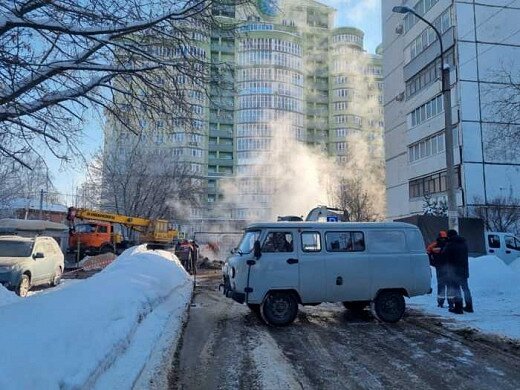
<point x="27" y="262"/>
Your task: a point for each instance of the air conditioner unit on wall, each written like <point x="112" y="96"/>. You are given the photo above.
<point x="399" y="29"/>
<point x="399" y="97"/>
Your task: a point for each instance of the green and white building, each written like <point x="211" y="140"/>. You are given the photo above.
<point x="293" y="75"/>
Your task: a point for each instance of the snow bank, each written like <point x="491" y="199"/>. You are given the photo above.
<point x="7" y="296"/>
<point x="77" y="336"/>
<point x="495" y="288"/>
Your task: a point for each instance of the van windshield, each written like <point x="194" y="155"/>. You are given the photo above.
<point x="248" y="240"/>
<point x="16" y="248"/>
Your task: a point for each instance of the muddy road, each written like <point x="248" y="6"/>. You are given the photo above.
<point x="225" y="346"/>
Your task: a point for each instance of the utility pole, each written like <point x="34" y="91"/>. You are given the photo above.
<point x="41" y="204"/>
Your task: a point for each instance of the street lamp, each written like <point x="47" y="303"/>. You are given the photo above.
<point x="453" y="220"/>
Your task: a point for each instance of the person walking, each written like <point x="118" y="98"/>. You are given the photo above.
<point x="438" y="260"/>
<point x="456" y="252"/>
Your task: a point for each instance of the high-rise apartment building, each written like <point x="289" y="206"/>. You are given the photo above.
<point x="479" y="39"/>
<point x="285" y="72"/>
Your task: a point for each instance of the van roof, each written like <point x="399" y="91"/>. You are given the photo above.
<point x="332" y="225"/>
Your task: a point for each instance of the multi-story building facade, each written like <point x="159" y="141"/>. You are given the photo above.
<point x="285" y="72"/>
<point x="477" y="39"/>
<point x="298" y="79"/>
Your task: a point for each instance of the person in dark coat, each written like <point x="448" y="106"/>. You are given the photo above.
<point x="438" y="260"/>
<point x="456" y="253"/>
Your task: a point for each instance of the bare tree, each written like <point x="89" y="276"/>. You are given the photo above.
<point x="501" y="214"/>
<point x="147" y="183"/>
<point x="58" y="58"/>
<point x="350" y="195"/>
<point x="503" y="105"/>
<point x="19" y="182"/>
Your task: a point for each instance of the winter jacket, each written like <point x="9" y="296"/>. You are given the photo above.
<point x="434" y="250"/>
<point x="456" y="254"/>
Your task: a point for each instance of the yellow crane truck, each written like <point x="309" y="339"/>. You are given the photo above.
<point x="97" y="235"/>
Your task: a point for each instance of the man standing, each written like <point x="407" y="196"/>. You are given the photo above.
<point x="438" y="260"/>
<point x="456" y="252"/>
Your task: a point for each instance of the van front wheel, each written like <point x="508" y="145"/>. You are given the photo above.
<point x="389" y="306"/>
<point x="279" y="308"/>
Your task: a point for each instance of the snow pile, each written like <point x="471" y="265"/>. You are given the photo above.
<point x="495" y="288"/>
<point x="7" y="297"/>
<point x="515" y="265"/>
<point x="80" y="335"/>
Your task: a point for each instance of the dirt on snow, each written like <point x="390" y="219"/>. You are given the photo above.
<point x="226" y="346"/>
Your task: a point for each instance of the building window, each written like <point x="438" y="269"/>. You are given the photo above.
<point x="421" y="7"/>
<point x="431" y="184"/>
<point x="427" y="147"/>
<point x="426" y="111"/>
<point x="429" y="75"/>
<point x="442" y="23"/>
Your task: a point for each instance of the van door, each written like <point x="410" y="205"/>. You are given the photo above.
<point x="390" y="260"/>
<point x="312" y="275"/>
<point x="512" y="248"/>
<point x="278" y="267"/>
<point x="348" y="271"/>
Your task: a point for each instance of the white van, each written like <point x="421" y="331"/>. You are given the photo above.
<point x="503" y="245"/>
<point x="280" y="265"/>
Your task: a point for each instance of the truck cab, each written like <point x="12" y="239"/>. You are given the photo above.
<point x="93" y="238"/>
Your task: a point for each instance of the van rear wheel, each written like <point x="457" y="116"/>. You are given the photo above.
<point x="389" y="306"/>
<point x="279" y="308"/>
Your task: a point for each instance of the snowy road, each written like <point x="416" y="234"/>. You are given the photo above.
<point x="226" y="347"/>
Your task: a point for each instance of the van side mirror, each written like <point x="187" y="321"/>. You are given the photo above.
<point x="256" y="250"/>
<point x="38" y="255"/>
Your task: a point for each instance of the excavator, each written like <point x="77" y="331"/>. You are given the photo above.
<point x="97" y="234"/>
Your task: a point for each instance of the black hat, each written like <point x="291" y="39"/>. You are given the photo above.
<point x="452" y="233"/>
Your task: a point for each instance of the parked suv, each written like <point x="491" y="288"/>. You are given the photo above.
<point x="27" y="262"/>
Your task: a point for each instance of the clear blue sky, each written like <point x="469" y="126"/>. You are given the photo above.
<point x="363" y="14"/>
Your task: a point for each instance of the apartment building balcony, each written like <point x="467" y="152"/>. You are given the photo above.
<point x="220" y="147"/>
<point x="213" y="132"/>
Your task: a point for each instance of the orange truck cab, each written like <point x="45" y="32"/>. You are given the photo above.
<point x="93" y="238"/>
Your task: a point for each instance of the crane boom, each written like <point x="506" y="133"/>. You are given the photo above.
<point x="114" y="218"/>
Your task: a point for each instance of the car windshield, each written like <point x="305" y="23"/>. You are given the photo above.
<point x="14" y="248"/>
<point x="248" y="240"/>
<point x="85" y="228"/>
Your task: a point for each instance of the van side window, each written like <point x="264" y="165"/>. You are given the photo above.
<point x="386" y="241"/>
<point x="278" y="242"/>
<point x="311" y="242"/>
<point x="345" y="241"/>
<point x="494" y="241"/>
<point x="511" y="243"/>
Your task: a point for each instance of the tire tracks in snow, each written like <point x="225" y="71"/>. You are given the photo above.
<point x="225" y="346"/>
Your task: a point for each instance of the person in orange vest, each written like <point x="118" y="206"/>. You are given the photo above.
<point x="439" y="261"/>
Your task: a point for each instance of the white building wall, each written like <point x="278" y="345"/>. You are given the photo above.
<point x="485" y="38"/>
